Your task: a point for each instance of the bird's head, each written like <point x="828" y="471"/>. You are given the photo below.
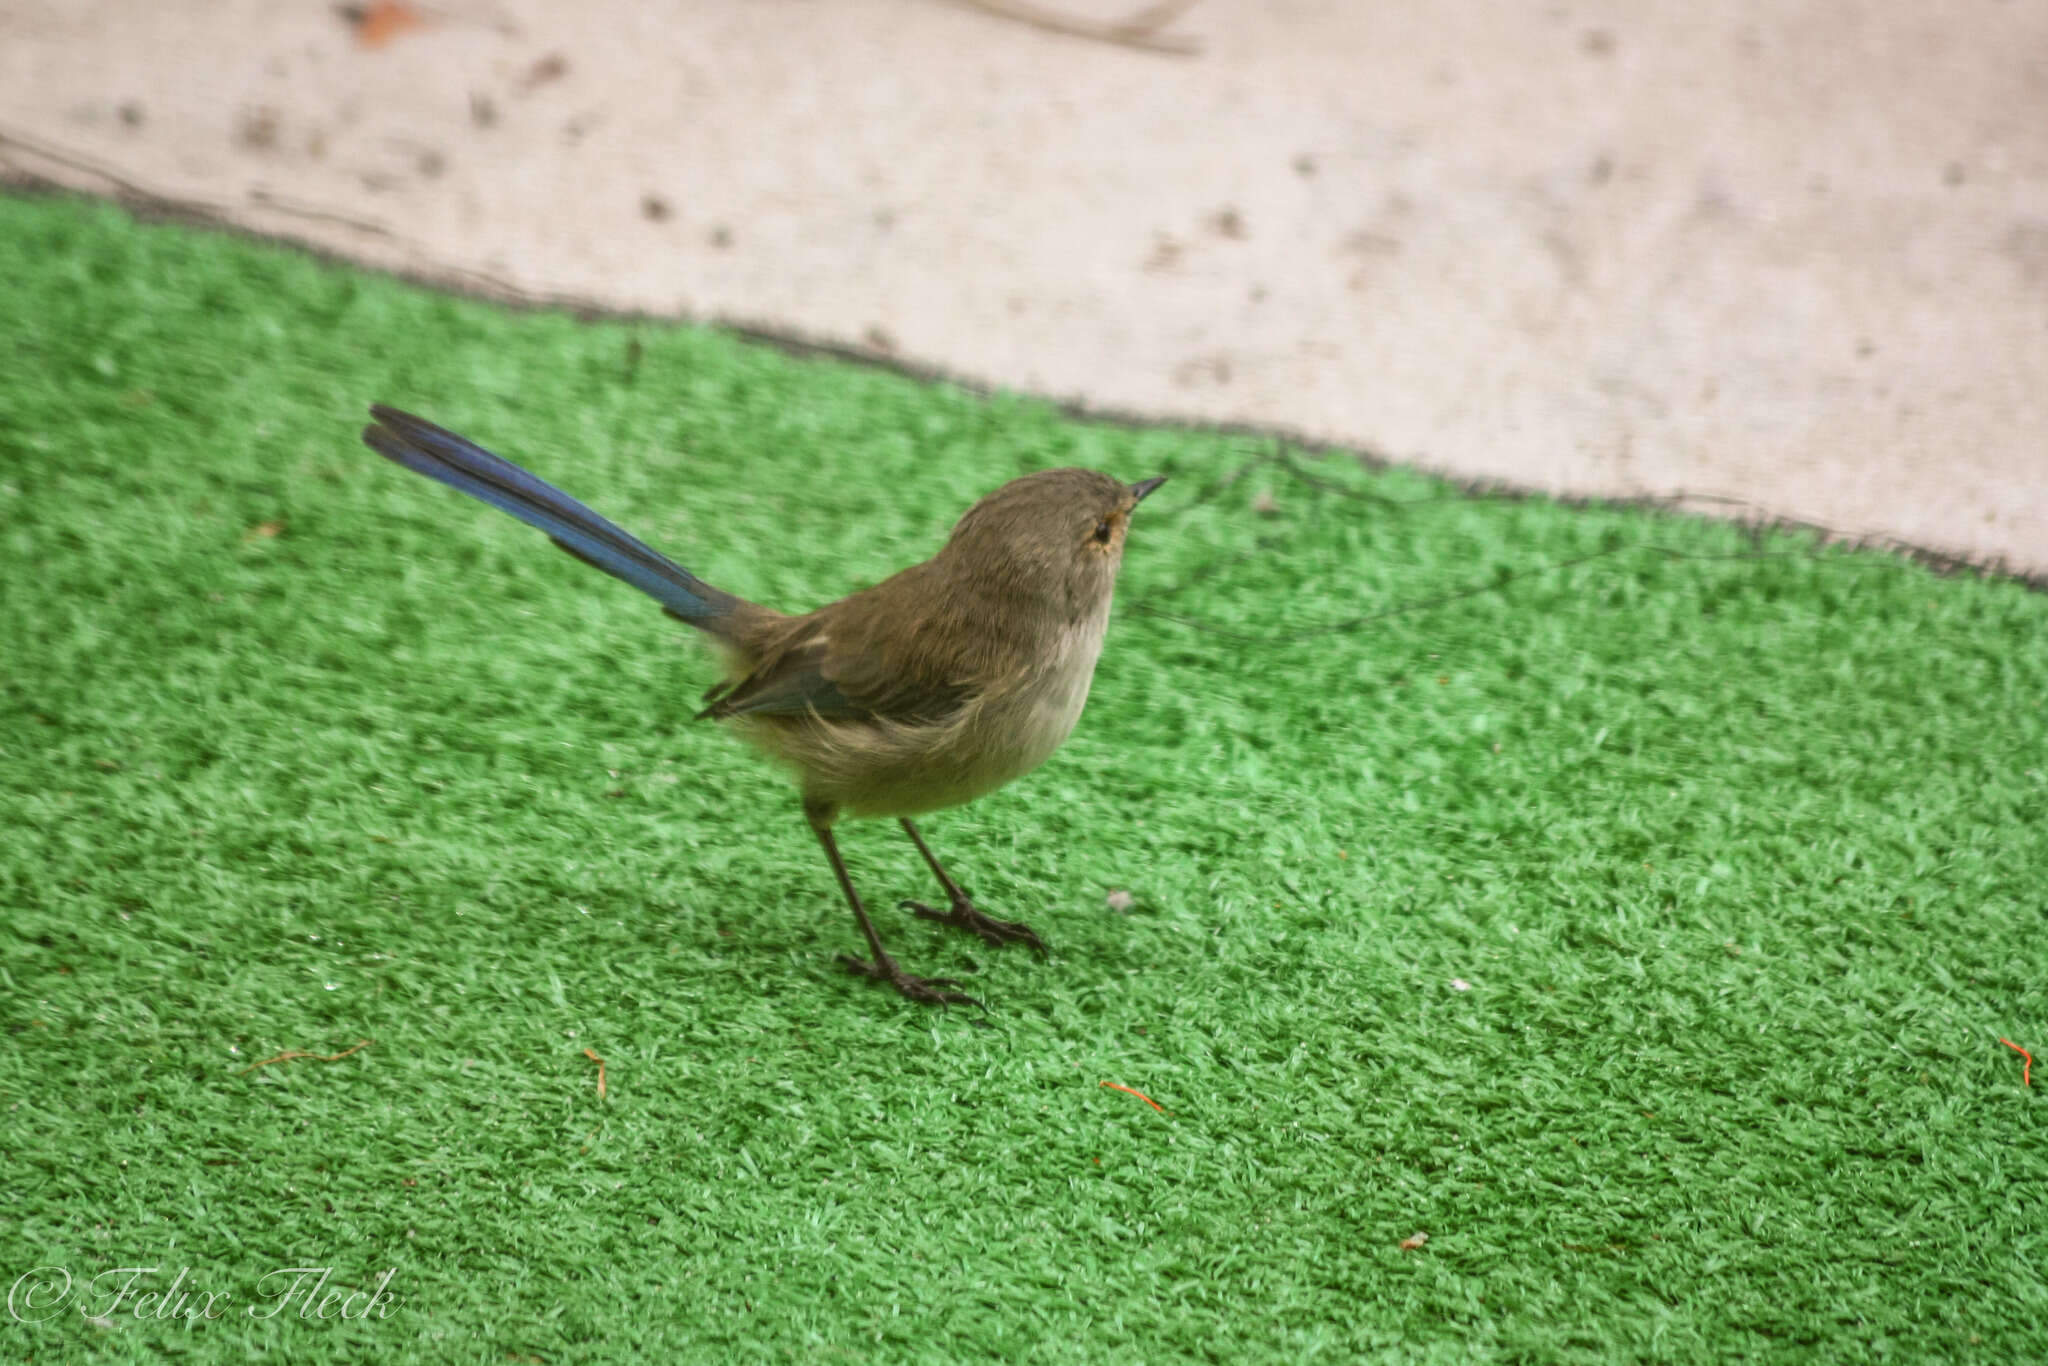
<point x="1057" y="531"/>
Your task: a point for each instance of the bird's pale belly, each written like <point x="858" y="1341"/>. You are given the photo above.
<point x="881" y="768"/>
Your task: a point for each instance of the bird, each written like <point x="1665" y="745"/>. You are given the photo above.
<point x="929" y="689"/>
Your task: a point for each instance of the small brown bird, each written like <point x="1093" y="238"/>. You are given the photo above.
<point x="938" y="684"/>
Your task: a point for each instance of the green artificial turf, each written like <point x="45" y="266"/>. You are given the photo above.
<point x="1641" y="929"/>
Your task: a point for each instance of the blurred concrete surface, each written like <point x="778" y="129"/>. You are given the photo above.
<point x="1789" y="255"/>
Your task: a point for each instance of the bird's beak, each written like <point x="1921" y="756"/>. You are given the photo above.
<point x="1143" y="487"/>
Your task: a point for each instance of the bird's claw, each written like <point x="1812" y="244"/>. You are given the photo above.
<point x="966" y="916"/>
<point x="930" y="991"/>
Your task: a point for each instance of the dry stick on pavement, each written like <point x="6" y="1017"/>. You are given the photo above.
<point x="1141" y="30"/>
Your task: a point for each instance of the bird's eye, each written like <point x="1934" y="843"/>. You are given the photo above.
<point x="1102" y="533"/>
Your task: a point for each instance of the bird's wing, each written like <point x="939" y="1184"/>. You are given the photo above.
<point x="885" y="653"/>
<point x="792" y="684"/>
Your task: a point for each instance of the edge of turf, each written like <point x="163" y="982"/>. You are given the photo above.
<point x="146" y="206"/>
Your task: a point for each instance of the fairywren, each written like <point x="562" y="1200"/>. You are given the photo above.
<point x="938" y="684"/>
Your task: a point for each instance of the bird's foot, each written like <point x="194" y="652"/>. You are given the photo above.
<point x="930" y="991"/>
<point x="966" y="916"/>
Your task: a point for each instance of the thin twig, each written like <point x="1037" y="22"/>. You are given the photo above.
<point x="291" y="1053"/>
<point x="1139" y="1094"/>
<point x="126" y="188"/>
<point x="600" y="1071"/>
<point x="1500" y="580"/>
<point x="130" y="190"/>
<point x="2026" y="1071"/>
<point x="1141" y="30"/>
<point x="266" y="199"/>
<point x="1497" y="582"/>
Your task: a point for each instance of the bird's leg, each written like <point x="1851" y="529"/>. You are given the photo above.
<point x="925" y="990"/>
<point x="964" y="914"/>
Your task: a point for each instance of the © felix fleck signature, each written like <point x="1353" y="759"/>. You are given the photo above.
<point x="142" y="1292"/>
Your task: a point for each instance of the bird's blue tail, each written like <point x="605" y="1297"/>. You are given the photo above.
<point x="460" y="463"/>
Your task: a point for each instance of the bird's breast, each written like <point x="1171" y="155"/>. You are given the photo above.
<point x="1027" y="722"/>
